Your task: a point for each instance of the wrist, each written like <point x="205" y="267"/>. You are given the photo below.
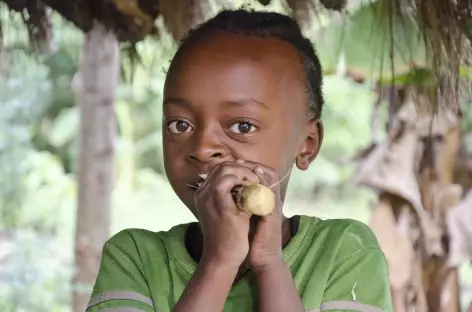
<point x="216" y="266"/>
<point x="274" y="266"/>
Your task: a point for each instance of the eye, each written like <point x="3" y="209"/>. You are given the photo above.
<point x="179" y="126"/>
<point x="243" y="128"/>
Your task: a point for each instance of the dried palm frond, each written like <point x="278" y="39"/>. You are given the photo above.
<point x="264" y="2"/>
<point x="4" y="62"/>
<point x="303" y="11"/>
<point x="182" y="15"/>
<point x="37" y="18"/>
<point x="130" y="20"/>
<point x="444" y="25"/>
<point x="38" y="22"/>
<point x="336" y="5"/>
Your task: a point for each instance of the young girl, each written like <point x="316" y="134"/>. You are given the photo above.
<point x="242" y="104"/>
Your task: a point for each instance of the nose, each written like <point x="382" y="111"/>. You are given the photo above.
<point x="207" y="148"/>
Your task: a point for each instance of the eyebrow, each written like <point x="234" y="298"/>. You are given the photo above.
<point x="176" y="101"/>
<point x="236" y="102"/>
<point x="246" y="101"/>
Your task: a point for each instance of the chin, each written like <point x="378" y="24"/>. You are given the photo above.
<point x="187" y="197"/>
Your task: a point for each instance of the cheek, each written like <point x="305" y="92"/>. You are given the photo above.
<point x="173" y="160"/>
<point x="275" y="153"/>
<point x="284" y="142"/>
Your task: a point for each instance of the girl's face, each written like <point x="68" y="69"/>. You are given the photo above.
<point x="236" y="97"/>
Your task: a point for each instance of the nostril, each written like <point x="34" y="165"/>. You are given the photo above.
<point x="217" y="155"/>
<point x="202" y="156"/>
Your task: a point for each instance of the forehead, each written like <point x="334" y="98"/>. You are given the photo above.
<point x="231" y="66"/>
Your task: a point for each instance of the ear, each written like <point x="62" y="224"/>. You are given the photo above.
<point x="311" y="144"/>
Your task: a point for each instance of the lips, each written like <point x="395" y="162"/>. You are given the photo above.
<point x="197" y="184"/>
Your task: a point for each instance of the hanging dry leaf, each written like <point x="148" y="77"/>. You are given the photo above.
<point x="395" y="245"/>
<point x="459" y="220"/>
<point x="417" y="110"/>
<point x="391" y="168"/>
<point x="447" y="197"/>
<point x="408" y="226"/>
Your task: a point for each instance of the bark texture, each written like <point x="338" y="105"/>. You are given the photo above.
<point x="95" y="88"/>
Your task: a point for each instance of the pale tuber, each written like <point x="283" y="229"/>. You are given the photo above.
<point x="255" y="198"/>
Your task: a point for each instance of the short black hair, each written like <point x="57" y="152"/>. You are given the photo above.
<point x="271" y="25"/>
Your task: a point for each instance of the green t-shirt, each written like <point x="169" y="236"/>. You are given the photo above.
<point x="336" y="265"/>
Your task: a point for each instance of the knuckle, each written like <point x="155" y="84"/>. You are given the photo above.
<point x="222" y="185"/>
<point x="224" y="169"/>
<point x="269" y="172"/>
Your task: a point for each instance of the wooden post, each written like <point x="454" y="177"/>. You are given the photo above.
<point x="95" y="87"/>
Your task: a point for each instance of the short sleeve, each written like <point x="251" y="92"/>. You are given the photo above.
<point x="120" y="284"/>
<point x="359" y="278"/>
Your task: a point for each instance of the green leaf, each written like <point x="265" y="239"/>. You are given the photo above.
<point x="65" y="127"/>
<point x="60" y="64"/>
<point x="416" y="76"/>
<point x="365" y="40"/>
<point x="466" y="72"/>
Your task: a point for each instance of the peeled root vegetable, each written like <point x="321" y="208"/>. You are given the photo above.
<point x="255" y="199"/>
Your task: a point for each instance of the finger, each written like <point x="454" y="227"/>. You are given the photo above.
<point x="213" y="172"/>
<point x="264" y="178"/>
<point x="242" y="172"/>
<point x="269" y="171"/>
<point x="223" y="191"/>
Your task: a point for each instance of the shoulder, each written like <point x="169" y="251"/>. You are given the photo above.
<point x="132" y="261"/>
<point x="143" y="244"/>
<point x="344" y="230"/>
<point x="353" y="232"/>
<point x="348" y="231"/>
<point x="358" y="277"/>
<point x="346" y="236"/>
<point x="132" y="239"/>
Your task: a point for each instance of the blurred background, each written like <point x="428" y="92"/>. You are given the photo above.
<point x="385" y="160"/>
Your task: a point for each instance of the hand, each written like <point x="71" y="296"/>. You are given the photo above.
<point x="225" y="227"/>
<point x="266" y="245"/>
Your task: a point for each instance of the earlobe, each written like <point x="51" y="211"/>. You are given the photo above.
<point x="311" y="145"/>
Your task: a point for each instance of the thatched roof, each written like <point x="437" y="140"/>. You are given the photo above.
<point x="445" y="25"/>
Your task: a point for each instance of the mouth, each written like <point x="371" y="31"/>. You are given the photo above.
<point x="196" y="185"/>
<point x="202" y="177"/>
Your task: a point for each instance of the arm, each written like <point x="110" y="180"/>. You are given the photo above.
<point x="208" y="288"/>
<point x="277" y="291"/>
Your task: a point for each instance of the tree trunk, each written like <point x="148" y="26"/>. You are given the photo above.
<point x="95" y="88"/>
